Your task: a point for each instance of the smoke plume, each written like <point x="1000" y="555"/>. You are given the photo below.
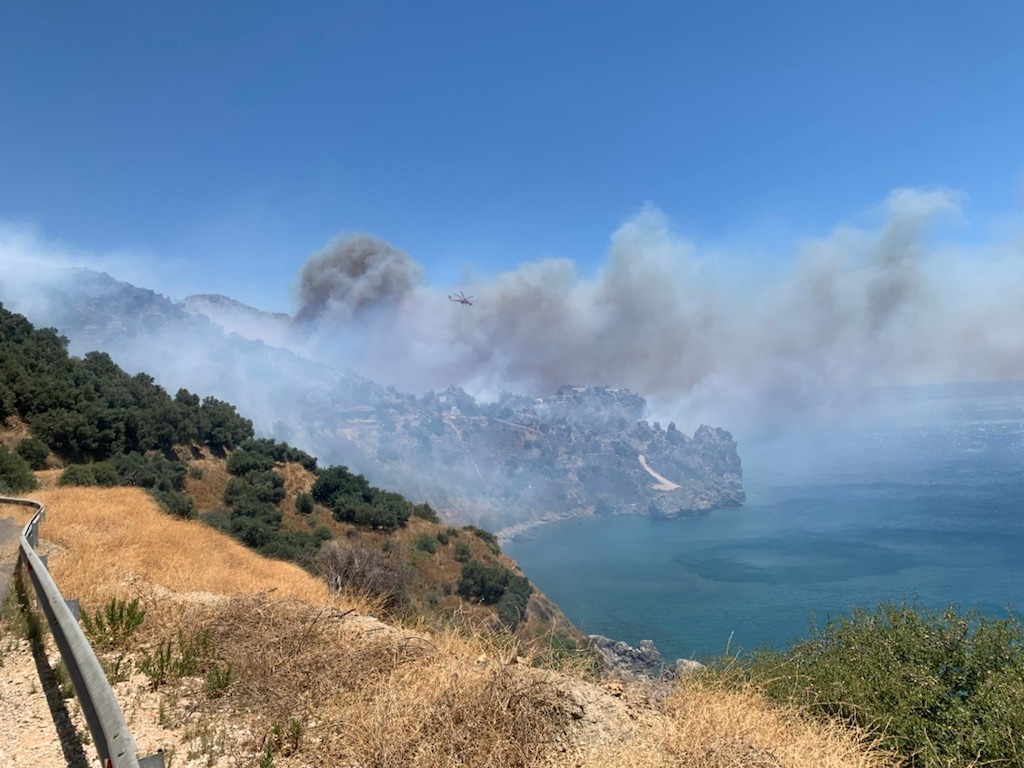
<point x="861" y="307"/>
<point x="352" y="275"/>
<point x="705" y="334"/>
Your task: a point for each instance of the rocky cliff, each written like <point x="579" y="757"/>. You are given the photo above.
<point x="581" y="450"/>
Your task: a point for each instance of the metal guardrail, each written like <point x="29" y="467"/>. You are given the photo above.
<point x="114" y="742"/>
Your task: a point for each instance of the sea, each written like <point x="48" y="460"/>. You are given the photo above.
<point x="919" y="498"/>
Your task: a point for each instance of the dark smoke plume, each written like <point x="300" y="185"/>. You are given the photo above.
<point x="354" y="274"/>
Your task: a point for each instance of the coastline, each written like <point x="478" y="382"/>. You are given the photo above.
<point x="522" y="530"/>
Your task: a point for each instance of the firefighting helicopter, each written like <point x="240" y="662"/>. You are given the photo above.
<point x="461" y="298"/>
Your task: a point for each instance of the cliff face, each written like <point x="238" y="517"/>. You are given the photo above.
<point x="582" y="450"/>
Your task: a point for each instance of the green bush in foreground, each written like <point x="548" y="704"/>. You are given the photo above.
<point x="15" y="473"/>
<point x="940" y="687"/>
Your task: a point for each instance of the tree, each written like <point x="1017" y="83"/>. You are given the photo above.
<point x="34" y="451"/>
<point x="304" y="503"/>
<point x="15" y="473"/>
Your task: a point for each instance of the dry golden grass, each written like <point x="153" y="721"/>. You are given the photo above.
<point x="207" y="491"/>
<point x="315" y="684"/>
<point x="117" y="539"/>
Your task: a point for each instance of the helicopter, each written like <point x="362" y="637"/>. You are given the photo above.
<point x="461" y="298"/>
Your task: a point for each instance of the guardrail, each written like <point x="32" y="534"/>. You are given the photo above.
<point x="114" y="742"/>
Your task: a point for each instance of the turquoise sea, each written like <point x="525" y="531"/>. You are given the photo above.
<point x="922" y="499"/>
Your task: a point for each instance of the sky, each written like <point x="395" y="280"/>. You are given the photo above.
<point x="736" y="209"/>
<point x="213" y="147"/>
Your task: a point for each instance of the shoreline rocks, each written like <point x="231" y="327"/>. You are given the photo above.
<point x="620" y="659"/>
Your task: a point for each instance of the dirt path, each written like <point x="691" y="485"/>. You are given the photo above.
<point x="9" y="531"/>
<point x="663" y="484"/>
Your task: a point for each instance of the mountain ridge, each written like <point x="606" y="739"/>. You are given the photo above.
<point x="501" y="464"/>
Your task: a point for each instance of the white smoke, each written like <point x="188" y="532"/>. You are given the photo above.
<point x="868" y="306"/>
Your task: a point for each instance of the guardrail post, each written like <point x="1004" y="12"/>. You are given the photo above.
<point x="153" y="761"/>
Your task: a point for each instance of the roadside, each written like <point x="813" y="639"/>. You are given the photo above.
<point x="9" y="531"/>
<point x="35" y="728"/>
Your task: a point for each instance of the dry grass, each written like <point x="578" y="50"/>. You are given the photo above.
<point x="207" y="491"/>
<point x="118" y="542"/>
<point x="315" y="684"/>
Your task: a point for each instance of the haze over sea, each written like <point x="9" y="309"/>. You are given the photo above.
<point x="924" y="499"/>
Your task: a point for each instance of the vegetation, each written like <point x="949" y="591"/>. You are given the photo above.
<point x="15" y="473"/>
<point x="353" y="500"/>
<point x="362" y="570"/>
<point x="941" y="688"/>
<point x="496" y="584"/>
<point x="114" y="624"/>
<point x="314" y="680"/>
<point x="88" y="411"/>
<point x="488" y="538"/>
<point x="198" y="458"/>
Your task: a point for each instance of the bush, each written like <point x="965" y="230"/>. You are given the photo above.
<point x="34" y="451"/>
<point x="113" y="625"/>
<point x="461" y="552"/>
<point x="425" y="543"/>
<point x="488" y="538"/>
<point x="942" y="688"/>
<point x="363" y="570"/>
<point x="304" y="503"/>
<point x="175" y="503"/>
<point x="243" y="462"/>
<point x="489" y="583"/>
<point x="15" y="473"/>
<point x="425" y="511"/>
<point x="511" y="609"/>
<point x="77" y="474"/>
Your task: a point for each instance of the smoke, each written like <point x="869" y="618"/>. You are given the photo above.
<point x="352" y="275"/>
<point x="679" y="323"/>
<point x="705" y="335"/>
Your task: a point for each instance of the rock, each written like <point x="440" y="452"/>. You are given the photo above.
<point x="620" y="658"/>
<point x="576" y="452"/>
<point x="682" y="667"/>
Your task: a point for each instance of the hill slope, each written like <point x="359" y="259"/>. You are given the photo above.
<point x="314" y="680"/>
<point x="575" y="451"/>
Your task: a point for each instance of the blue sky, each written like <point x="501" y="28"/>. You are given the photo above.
<point x="221" y="144"/>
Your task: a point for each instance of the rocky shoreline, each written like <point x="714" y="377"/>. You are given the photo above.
<point x="524" y="530"/>
<point x="620" y="659"/>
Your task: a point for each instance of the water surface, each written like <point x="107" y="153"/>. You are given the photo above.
<point x="925" y="501"/>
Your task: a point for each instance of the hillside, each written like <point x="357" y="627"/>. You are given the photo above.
<point x="316" y="680"/>
<point x="579" y="450"/>
<point x="85" y="422"/>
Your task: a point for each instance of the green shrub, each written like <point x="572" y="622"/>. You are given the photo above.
<point x="941" y="688"/>
<point x="34" y="451"/>
<point x="489" y="583"/>
<point x="106" y="474"/>
<point x="304" y="503"/>
<point x="488" y="538"/>
<point x="218" y="678"/>
<point x="461" y="552"/>
<point x="15" y="473"/>
<point x="511" y="609"/>
<point x="113" y="625"/>
<point x="77" y="474"/>
<point x="243" y="462"/>
<point x="177" y="504"/>
<point x="425" y="511"/>
<point x="425" y="543"/>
